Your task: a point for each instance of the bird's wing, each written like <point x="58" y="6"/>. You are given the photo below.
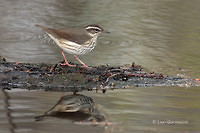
<point x="75" y="35"/>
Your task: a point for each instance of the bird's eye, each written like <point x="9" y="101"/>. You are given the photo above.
<point x="96" y="30"/>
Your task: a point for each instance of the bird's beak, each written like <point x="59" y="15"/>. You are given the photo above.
<point x="105" y="31"/>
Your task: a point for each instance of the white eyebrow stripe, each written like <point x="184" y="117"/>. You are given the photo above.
<point x="92" y="27"/>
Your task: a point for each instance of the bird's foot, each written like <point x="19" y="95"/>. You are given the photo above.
<point x="67" y="64"/>
<point x="85" y="66"/>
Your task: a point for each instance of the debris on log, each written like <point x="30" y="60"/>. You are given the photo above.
<point x="55" y="77"/>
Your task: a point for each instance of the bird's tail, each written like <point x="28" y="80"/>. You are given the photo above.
<point x="47" y="30"/>
<point x="40" y="26"/>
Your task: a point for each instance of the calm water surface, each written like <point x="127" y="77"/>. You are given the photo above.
<point x="162" y="36"/>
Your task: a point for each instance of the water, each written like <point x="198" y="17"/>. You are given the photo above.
<point x="162" y="36"/>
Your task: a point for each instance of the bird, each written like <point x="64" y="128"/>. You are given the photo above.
<point x="73" y="103"/>
<point x="76" y="41"/>
<point x="75" y="106"/>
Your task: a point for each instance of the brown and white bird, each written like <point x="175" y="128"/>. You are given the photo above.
<point x="76" y="41"/>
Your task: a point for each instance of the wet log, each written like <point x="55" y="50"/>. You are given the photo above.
<point x="55" y="77"/>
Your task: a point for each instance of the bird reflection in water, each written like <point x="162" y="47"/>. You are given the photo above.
<point x="78" y="108"/>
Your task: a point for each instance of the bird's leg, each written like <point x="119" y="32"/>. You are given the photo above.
<point x="66" y="62"/>
<point x="81" y="62"/>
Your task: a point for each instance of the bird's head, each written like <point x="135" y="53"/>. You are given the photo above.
<point x="94" y="30"/>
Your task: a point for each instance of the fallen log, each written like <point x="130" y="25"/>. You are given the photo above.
<point x="55" y="77"/>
